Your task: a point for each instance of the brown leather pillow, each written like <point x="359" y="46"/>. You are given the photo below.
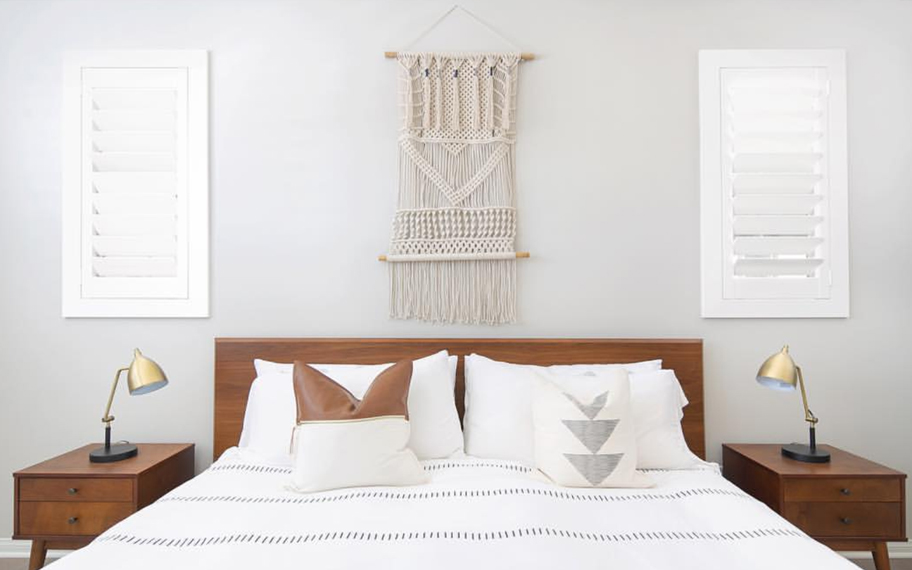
<point x="320" y="398"/>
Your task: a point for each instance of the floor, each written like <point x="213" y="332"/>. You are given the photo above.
<point x="15" y="563"/>
<point x="895" y="564"/>
<point x="898" y="564"/>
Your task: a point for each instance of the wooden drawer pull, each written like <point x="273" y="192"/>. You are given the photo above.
<point x="72" y="491"/>
<point x="72" y="520"/>
<point x="845" y="492"/>
<point x="845" y="520"/>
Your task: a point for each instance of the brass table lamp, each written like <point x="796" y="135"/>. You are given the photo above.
<point x="780" y="372"/>
<point x="143" y="376"/>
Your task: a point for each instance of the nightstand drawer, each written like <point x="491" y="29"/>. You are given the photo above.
<point x="868" y="520"/>
<point x="830" y="489"/>
<point x="69" y="518"/>
<point x="76" y="489"/>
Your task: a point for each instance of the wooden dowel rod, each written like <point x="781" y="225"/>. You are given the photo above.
<point x="519" y="255"/>
<point x="523" y="56"/>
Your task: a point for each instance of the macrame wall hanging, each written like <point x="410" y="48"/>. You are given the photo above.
<point x="452" y="255"/>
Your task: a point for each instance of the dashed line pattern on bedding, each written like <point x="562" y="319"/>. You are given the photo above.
<point x="253" y="468"/>
<point x="356" y="536"/>
<point x="487" y="465"/>
<point x="458" y="494"/>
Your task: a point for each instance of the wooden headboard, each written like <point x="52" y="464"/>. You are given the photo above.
<point x="234" y="370"/>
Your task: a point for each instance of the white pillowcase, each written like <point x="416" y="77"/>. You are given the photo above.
<point x="587" y="440"/>
<point x="269" y="419"/>
<point x="498" y="404"/>
<point x="657" y="416"/>
<point x="354" y="453"/>
<point x="499" y="424"/>
<point x="271" y="412"/>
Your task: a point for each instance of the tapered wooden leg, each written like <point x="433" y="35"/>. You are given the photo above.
<point x="881" y="557"/>
<point x="39" y="553"/>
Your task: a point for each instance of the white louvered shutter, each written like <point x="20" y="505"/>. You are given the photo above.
<point x="774" y="184"/>
<point x="135" y="185"/>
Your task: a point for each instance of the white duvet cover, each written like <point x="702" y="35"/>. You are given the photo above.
<point x="475" y="513"/>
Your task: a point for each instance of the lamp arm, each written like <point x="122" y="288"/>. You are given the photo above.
<point x="108" y="418"/>
<point x="808" y="414"/>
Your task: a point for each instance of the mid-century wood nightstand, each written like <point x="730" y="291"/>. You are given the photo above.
<point x="849" y="503"/>
<point x="67" y="501"/>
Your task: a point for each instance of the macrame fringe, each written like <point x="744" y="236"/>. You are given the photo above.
<point x="471" y="292"/>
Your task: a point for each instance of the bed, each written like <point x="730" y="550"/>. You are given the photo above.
<point x="472" y="512"/>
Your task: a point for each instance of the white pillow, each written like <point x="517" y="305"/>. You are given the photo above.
<point x="655" y="399"/>
<point x="499" y="424"/>
<point x="269" y="420"/>
<point x="633" y="368"/>
<point x="271" y="413"/>
<point x="498" y="404"/>
<point x="587" y="440"/>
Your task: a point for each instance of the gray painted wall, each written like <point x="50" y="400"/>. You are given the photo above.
<point x="303" y="173"/>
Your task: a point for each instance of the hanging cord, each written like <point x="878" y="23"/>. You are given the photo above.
<point x="467" y="13"/>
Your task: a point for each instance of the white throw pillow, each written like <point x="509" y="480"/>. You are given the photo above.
<point x="355" y="453"/>
<point x="270" y="415"/>
<point x="498" y="403"/>
<point x="587" y="440"/>
<point x="344" y="441"/>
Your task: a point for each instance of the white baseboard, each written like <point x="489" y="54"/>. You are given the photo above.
<point x="897" y="550"/>
<point x="10" y="548"/>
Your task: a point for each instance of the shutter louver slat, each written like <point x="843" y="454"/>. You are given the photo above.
<point x="116" y="161"/>
<point x="770" y="246"/>
<point x="774" y="183"/>
<point x="134" y="266"/>
<point x="773" y="122"/>
<point x="133" y="246"/>
<point x="799" y="204"/>
<point x="776" y="267"/>
<point x="133" y="99"/>
<point x="133" y="120"/>
<point x="778" y="163"/>
<point x="109" y="141"/>
<point x="775" y="225"/>
<point x="112" y="204"/>
<point x="132" y="225"/>
<point x="130" y="182"/>
<point x="774" y="142"/>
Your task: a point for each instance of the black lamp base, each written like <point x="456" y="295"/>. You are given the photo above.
<point x="806" y="453"/>
<point x="117" y="452"/>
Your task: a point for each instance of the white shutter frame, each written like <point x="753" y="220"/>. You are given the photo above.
<point x="190" y="296"/>
<point x="716" y="220"/>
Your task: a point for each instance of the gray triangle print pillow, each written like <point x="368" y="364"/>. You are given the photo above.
<point x="584" y="436"/>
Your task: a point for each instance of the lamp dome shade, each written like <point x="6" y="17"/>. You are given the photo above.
<point x="144" y="375"/>
<point x="779" y="371"/>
